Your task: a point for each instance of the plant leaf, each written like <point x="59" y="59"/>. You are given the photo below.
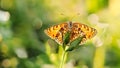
<point x="54" y="46"/>
<point x="74" y="44"/>
<point x="66" y="39"/>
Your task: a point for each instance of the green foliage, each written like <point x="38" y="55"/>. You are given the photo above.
<point x="75" y="44"/>
<point x="66" y="39"/>
<point x="54" y="46"/>
<point x="23" y="42"/>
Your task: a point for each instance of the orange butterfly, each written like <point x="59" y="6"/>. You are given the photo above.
<point x="57" y="32"/>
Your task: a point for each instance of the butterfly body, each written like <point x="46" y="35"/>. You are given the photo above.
<point x="76" y="29"/>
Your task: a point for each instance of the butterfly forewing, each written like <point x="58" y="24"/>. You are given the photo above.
<point x="83" y="29"/>
<point x="57" y="32"/>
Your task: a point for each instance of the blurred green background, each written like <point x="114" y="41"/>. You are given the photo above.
<point x="23" y="43"/>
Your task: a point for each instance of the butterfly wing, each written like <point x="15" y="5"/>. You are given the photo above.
<point x="79" y="29"/>
<point x="57" y="32"/>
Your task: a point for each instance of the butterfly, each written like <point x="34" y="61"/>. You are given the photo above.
<point x="76" y="30"/>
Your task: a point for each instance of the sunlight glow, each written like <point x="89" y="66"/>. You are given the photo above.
<point x="4" y="16"/>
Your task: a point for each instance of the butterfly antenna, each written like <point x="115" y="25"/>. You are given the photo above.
<point x="60" y="12"/>
<point x="74" y="16"/>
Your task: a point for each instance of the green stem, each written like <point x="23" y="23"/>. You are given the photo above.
<point x="63" y="59"/>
